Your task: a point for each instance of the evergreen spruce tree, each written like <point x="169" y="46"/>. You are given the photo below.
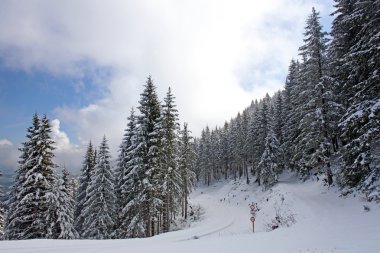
<point x="278" y="117"/>
<point x="360" y="86"/>
<point x="261" y="129"/>
<point x="99" y="208"/>
<point x="186" y="164"/>
<point x="32" y="200"/>
<point x="130" y="221"/>
<point x="148" y="158"/>
<point x="171" y="175"/>
<point x="65" y="209"/>
<point x="87" y="171"/>
<point x="238" y="144"/>
<point x="2" y="213"/>
<point x="73" y="189"/>
<point x="204" y="156"/>
<point x="244" y="142"/>
<point x="292" y="115"/>
<point x="253" y="140"/>
<point x="215" y="154"/>
<point x="312" y="143"/>
<point x="225" y="155"/>
<point x="271" y="161"/>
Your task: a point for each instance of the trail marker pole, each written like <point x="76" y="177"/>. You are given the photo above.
<point x="253" y="208"/>
<point x="253" y="223"/>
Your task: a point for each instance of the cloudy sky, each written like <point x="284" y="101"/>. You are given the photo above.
<point x="83" y="63"/>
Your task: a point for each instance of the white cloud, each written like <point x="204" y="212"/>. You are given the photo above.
<point x="62" y="141"/>
<point x="8" y="155"/>
<point x="67" y="153"/>
<point x="216" y="55"/>
<point x="5" y="142"/>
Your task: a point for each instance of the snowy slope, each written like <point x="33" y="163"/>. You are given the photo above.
<point x="319" y="221"/>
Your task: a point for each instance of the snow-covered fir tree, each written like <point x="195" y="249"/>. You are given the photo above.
<point x="2" y="213"/>
<point x="149" y="151"/>
<point x="312" y="143"/>
<point x="263" y="118"/>
<point x="186" y="164"/>
<point x="271" y="161"/>
<point x="87" y="171"/>
<point x="171" y="176"/>
<point x="225" y="154"/>
<point x="357" y="69"/>
<point x="31" y="212"/>
<point x="99" y="208"/>
<point x="292" y="115"/>
<point x="65" y="209"/>
<point x="204" y="151"/>
<point x="253" y="128"/>
<point x="130" y="219"/>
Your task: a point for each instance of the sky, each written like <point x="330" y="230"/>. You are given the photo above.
<point x="84" y="63"/>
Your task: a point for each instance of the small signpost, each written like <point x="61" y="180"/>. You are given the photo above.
<point x="253" y="208"/>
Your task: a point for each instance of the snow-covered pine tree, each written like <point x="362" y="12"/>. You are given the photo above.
<point x="225" y="154"/>
<point x="149" y="151"/>
<point x="73" y="189"/>
<point x="292" y="115"/>
<point x="127" y="185"/>
<point x="253" y="141"/>
<point x="197" y="165"/>
<point x="131" y="217"/>
<point x="271" y="161"/>
<point x="204" y="152"/>
<point x="215" y="154"/>
<point x="262" y="126"/>
<point x="99" y="208"/>
<point x="31" y="204"/>
<point x="238" y="132"/>
<point x="87" y="171"/>
<point x="64" y="228"/>
<point x="2" y="213"/>
<point x="186" y="163"/>
<point x="312" y="144"/>
<point x="2" y="222"/>
<point x="14" y="223"/>
<point x="278" y="117"/>
<point x="170" y="171"/>
<point x="360" y="88"/>
<point x="47" y="169"/>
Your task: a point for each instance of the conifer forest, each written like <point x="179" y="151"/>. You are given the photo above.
<point x="324" y="123"/>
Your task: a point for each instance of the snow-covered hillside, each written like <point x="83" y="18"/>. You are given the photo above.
<point x="314" y="219"/>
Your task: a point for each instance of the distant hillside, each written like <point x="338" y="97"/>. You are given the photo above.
<point x="6" y="180"/>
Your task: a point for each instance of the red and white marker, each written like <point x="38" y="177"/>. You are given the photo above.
<point x="253" y="219"/>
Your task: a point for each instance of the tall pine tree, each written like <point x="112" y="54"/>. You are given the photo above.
<point x="130" y="221"/>
<point x="147" y="162"/>
<point x="2" y="213"/>
<point x="87" y="171"/>
<point x="100" y="204"/>
<point x="186" y="164"/>
<point x="170" y="171"/>
<point x="312" y="143"/>
<point x="65" y="209"/>
<point x="32" y="200"/>
<point x="356" y="49"/>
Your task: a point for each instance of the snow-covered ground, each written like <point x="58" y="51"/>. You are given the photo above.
<point x="316" y="220"/>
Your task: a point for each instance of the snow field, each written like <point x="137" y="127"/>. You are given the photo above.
<point x="318" y="221"/>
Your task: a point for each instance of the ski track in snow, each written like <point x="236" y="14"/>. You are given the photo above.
<point x="324" y="223"/>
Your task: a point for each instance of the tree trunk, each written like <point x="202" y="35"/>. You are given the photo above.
<point x="185" y="205"/>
